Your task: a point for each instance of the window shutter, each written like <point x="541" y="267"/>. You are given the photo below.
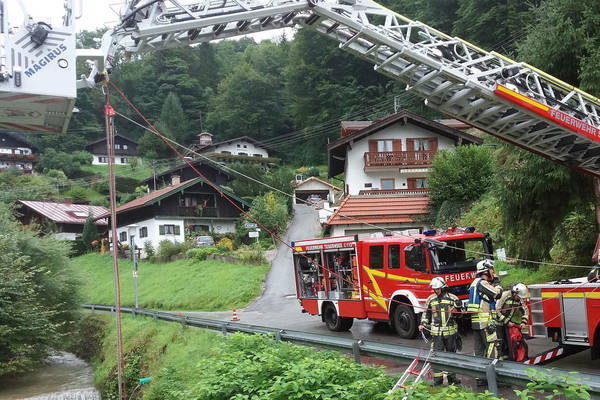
<point x="373" y="145"/>
<point x="397" y="145"/>
<point x="176" y="229"/>
<point x="410" y="144"/>
<point x="433" y="143"/>
<point x="412" y="183"/>
<point x="161" y="229"/>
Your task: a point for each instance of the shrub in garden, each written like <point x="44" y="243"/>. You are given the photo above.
<point x="148" y="248"/>
<point x="201" y="253"/>
<point x="168" y="249"/>
<point x="225" y="245"/>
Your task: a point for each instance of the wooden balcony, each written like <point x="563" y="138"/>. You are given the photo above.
<point x="19" y="157"/>
<point x="398" y="159"/>
<point x="394" y="192"/>
<point x="195" y="212"/>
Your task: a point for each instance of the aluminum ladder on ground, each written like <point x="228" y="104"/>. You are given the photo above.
<point x="412" y="371"/>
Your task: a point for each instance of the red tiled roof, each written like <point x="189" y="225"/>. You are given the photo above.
<point x="148" y="199"/>
<point x="65" y="213"/>
<point x="378" y="210"/>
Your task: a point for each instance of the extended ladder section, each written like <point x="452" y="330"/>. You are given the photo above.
<point x="513" y="101"/>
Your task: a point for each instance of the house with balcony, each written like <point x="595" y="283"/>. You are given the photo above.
<point x="191" y="207"/>
<point x="16" y="152"/>
<point x="125" y="149"/>
<point x="385" y="165"/>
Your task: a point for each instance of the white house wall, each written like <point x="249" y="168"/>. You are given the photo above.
<point x="96" y="160"/>
<point x="356" y="177"/>
<point x="249" y="150"/>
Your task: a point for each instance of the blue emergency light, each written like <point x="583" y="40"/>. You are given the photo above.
<point x="430" y="232"/>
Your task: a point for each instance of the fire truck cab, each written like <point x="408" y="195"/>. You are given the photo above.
<point x="383" y="277"/>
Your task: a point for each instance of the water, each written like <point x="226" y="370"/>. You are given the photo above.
<point x="64" y="377"/>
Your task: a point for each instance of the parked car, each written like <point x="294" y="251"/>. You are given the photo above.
<point x="313" y="199"/>
<point x="204" y="241"/>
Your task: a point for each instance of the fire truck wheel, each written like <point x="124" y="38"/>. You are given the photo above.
<point x="333" y="321"/>
<point x="405" y="321"/>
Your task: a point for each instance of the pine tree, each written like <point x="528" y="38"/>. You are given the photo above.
<point x="90" y="232"/>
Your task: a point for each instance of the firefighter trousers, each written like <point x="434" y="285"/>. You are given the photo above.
<point x="484" y="343"/>
<point x="443" y="343"/>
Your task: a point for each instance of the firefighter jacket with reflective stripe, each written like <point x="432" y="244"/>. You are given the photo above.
<point x="482" y="302"/>
<point x="594" y="275"/>
<point x="510" y="310"/>
<point x="438" y="313"/>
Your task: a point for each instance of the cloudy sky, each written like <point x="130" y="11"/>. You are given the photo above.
<point x="96" y="13"/>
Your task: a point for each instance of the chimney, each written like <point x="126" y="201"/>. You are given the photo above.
<point x="68" y="200"/>
<point x="175" y="180"/>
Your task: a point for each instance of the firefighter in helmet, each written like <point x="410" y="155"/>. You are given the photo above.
<point x="440" y="312"/>
<point x="511" y="310"/>
<point x="483" y="293"/>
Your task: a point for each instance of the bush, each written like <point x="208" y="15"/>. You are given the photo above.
<point x="251" y="255"/>
<point x="168" y="249"/>
<point x="87" y="341"/>
<point x="79" y="195"/>
<point x="148" y="248"/>
<point x="225" y="245"/>
<point x="78" y="247"/>
<point x="313" y="171"/>
<point x="201" y="253"/>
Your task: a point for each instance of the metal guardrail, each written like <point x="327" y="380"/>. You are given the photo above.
<point x="509" y="372"/>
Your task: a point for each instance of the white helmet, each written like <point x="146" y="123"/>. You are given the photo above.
<point x="484" y="266"/>
<point x="438" y="283"/>
<point x="519" y="289"/>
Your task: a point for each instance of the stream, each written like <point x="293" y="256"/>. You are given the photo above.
<point x="64" y="377"/>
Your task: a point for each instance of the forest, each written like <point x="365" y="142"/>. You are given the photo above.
<point x="293" y="91"/>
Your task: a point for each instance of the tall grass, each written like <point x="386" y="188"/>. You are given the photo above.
<point x="180" y="285"/>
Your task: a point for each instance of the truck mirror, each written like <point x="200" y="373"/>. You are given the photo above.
<point x="488" y="243"/>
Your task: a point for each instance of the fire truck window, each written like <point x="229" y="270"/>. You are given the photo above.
<point x="376" y="257"/>
<point x="394" y="256"/>
<point x="415" y="258"/>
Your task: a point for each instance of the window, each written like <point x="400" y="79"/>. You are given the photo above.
<point x="168" y="230"/>
<point x="117" y="146"/>
<point x="123" y="160"/>
<point x="238" y="145"/>
<point x="123" y="236"/>
<point x="368" y="185"/>
<point x="417" y="183"/>
<point x="384" y="146"/>
<point x="190" y="201"/>
<point x="421" y="145"/>
<point x="103" y="160"/>
<point x="242" y="154"/>
<point x="124" y="147"/>
<point x="394" y="256"/>
<point x="257" y="155"/>
<point x="387" y="184"/>
<point x="245" y="146"/>
<point x="226" y="152"/>
<point x="143" y="232"/>
<point x="376" y="257"/>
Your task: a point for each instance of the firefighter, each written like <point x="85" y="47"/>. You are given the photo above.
<point x="483" y="293"/>
<point x="440" y="312"/>
<point x="511" y="310"/>
<point x="594" y="274"/>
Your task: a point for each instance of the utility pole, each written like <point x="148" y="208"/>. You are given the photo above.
<point x="132" y="229"/>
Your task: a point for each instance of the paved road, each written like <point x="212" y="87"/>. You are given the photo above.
<point x="279" y="308"/>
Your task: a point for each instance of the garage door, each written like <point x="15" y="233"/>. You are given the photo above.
<point x="303" y="195"/>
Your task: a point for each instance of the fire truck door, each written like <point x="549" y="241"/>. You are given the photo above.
<point x="574" y="312"/>
<point x="373" y="278"/>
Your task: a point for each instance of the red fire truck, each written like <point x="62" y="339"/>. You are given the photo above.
<point x="568" y="312"/>
<point x="383" y="277"/>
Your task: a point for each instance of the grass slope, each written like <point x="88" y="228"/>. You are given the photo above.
<point x="179" y="285"/>
<point x="140" y="172"/>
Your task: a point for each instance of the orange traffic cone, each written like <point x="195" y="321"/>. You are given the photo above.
<point x="235" y="317"/>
